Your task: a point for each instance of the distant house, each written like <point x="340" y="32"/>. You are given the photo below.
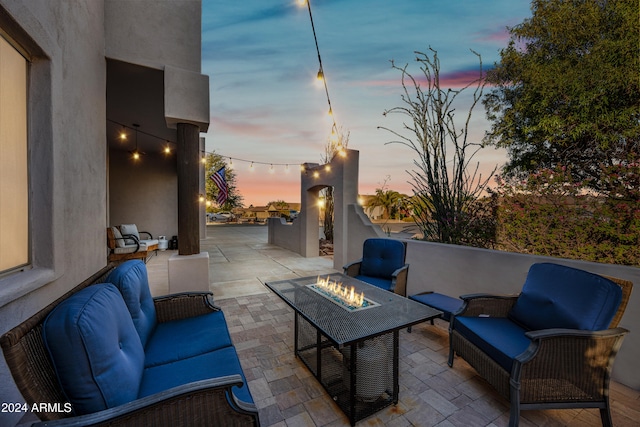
<point x="273" y="210"/>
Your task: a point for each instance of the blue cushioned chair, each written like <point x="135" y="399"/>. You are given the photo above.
<point x="382" y="265"/>
<point x="552" y="346"/>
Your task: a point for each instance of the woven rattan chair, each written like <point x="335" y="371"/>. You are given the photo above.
<point x="382" y="265"/>
<point x="203" y="403"/>
<point x="562" y="368"/>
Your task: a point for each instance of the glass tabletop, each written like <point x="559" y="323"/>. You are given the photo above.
<point x="387" y="312"/>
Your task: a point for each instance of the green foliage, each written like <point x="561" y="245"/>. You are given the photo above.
<point x="390" y="201"/>
<point x="213" y="163"/>
<point x="566" y="90"/>
<point x="446" y="201"/>
<point x="551" y="213"/>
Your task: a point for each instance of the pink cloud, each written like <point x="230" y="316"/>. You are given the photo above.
<point x="453" y="80"/>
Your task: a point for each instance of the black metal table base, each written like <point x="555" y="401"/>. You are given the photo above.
<point x="362" y="377"/>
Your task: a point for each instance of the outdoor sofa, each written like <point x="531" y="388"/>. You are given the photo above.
<point x="107" y="353"/>
<point x="550" y="347"/>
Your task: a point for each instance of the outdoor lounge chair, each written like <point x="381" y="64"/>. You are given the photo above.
<point x="382" y="265"/>
<point x="124" y="243"/>
<point x="552" y="346"/>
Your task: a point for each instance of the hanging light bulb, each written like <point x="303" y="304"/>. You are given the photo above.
<point x="167" y="149"/>
<point x="123" y="135"/>
<point x="320" y="75"/>
<point x="271" y="169"/>
<point x="251" y="167"/>
<point x="330" y="111"/>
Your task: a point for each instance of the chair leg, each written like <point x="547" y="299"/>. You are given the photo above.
<point x="514" y="410"/>
<point x="605" y="415"/>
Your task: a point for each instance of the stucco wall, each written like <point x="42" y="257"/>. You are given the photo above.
<point x="458" y="270"/>
<point x="68" y="158"/>
<point x="166" y="32"/>
<point x="144" y="193"/>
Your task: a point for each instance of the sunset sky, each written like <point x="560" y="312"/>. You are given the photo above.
<point x="266" y="105"/>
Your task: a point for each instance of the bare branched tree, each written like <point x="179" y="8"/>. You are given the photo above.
<point x="337" y="142"/>
<point x="447" y="188"/>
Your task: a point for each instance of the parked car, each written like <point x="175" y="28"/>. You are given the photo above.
<point x="220" y="216"/>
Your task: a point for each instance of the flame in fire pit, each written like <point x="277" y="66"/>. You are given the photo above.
<point x="345" y="294"/>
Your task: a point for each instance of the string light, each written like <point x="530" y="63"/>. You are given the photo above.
<point x="321" y="77"/>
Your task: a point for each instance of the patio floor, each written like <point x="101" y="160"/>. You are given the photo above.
<point x="287" y="395"/>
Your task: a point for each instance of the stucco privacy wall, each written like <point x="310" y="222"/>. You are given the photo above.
<point x="67" y="158"/>
<point x="459" y="270"/>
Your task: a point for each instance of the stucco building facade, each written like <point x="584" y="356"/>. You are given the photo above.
<point x="92" y="71"/>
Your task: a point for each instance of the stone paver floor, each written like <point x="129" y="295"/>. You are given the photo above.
<point x="287" y="395"/>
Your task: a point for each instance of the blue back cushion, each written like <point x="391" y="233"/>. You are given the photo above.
<point x="381" y="257"/>
<point x="555" y="296"/>
<point x="131" y="279"/>
<point x="95" y="349"/>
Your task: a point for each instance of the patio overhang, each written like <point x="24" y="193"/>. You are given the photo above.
<point x="161" y="109"/>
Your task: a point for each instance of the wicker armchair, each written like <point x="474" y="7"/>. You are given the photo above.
<point x="561" y="368"/>
<point x="382" y="265"/>
<point x="208" y="402"/>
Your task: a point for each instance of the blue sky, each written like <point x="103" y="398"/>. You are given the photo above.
<point x="266" y="106"/>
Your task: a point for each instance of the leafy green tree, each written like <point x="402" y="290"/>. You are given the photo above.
<point x="552" y="213"/>
<point x="390" y="201"/>
<point x="447" y="189"/>
<point x="213" y="164"/>
<point x="567" y="92"/>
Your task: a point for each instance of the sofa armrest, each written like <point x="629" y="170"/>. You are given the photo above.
<point x="183" y="305"/>
<point x="206" y="399"/>
<point x="352" y="269"/>
<point x="399" y="280"/>
<point x="486" y="305"/>
<point x="147" y="233"/>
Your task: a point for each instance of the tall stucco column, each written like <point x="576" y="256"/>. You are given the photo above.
<point x="188" y="155"/>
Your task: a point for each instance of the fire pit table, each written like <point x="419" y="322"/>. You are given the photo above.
<point x="346" y="333"/>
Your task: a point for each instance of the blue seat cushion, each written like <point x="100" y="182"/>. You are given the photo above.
<point x="556" y="296"/>
<point x="444" y="303"/>
<point x="214" y="364"/>
<point x="131" y="279"/>
<point x="381" y="283"/>
<point x="498" y="337"/>
<point x="184" y="338"/>
<point x="381" y="257"/>
<point x="95" y="349"/>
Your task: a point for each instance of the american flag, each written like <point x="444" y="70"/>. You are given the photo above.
<point x="221" y="182"/>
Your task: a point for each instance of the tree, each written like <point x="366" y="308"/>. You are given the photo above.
<point x="213" y="164"/>
<point x="338" y="142"/>
<point x="567" y="90"/>
<point x="551" y="213"/>
<point x="446" y="202"/>
<point x="389" y="200"/>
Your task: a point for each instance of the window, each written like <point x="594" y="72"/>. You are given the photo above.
<point x="14" y="179"/>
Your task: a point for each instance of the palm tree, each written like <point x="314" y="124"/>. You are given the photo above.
<point x="388" y="200"/>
